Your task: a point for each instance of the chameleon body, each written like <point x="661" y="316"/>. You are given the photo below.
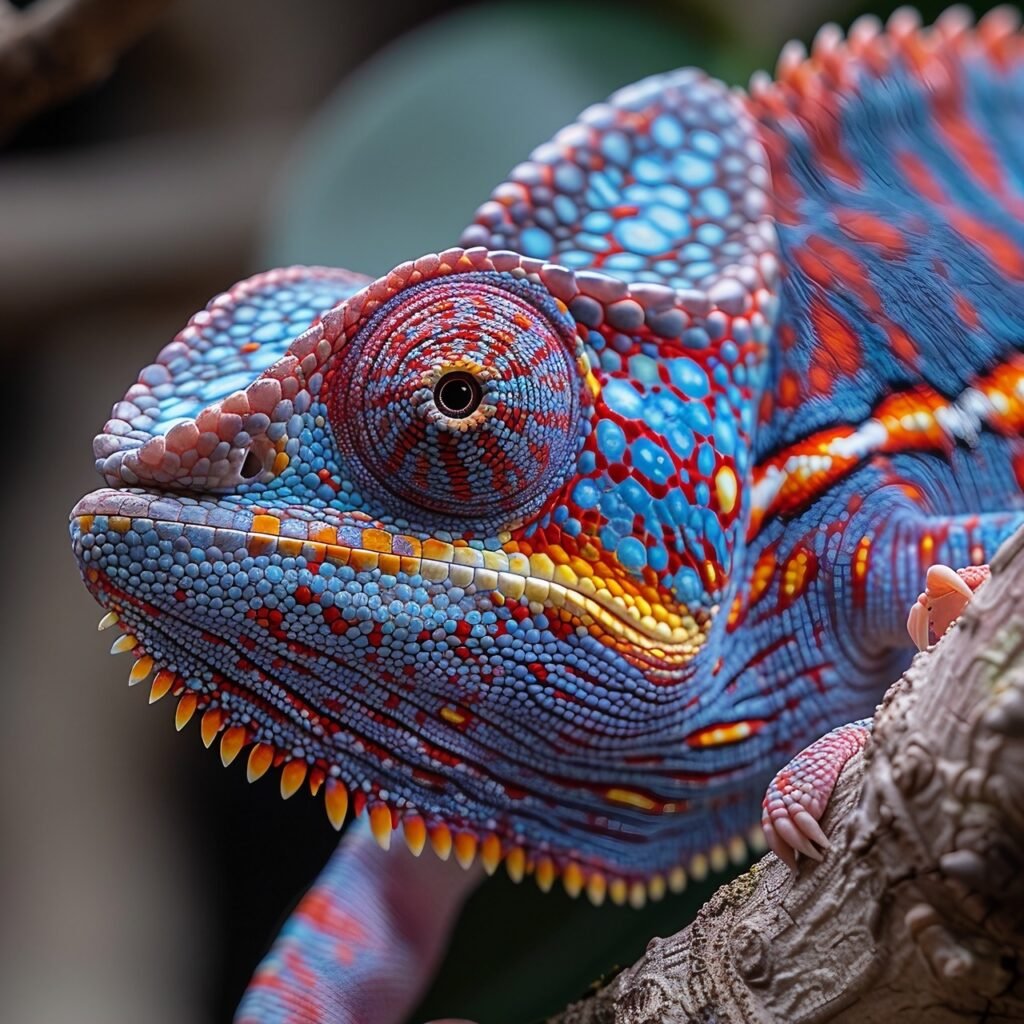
<point x="551" y="547"/>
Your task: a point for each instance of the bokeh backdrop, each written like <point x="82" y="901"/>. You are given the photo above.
<point x="139" y="880"/>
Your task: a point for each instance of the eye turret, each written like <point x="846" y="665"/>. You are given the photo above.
<point x="460" y="401"/>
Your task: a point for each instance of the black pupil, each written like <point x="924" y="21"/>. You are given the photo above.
<point x="457" y="394"/>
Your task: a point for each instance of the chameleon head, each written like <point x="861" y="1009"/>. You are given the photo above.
<point x="452" y="553"/>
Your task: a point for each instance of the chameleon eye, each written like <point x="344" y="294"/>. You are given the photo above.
<point x="460" y="401"/>
<point x="457" y="394"/>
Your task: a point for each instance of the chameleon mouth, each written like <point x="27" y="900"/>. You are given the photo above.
<point x="594" y="597"/>
<point x="145" y="634"/>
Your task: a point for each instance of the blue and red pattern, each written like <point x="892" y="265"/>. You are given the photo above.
<point x="552" y="547"/>
<point x="504" y="346"/>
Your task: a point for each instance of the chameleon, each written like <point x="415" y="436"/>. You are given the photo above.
<point x="551" y="547"/>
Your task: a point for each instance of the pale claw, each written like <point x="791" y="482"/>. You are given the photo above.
<point x="808" y="825"/>
<point x="792" y="832"/>
<point x="941" y="579"/>
<point x="948" y="595"/>
<point x="789" y="832"/>
<point x="784" y="852"/>
<point x="917" y="625"/>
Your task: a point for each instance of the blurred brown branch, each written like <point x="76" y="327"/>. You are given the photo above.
<point x="53" y="49"/>
<point x="917" y="913"/>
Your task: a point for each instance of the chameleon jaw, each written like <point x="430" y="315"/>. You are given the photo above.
<point x="447" y="840"/>
<point x="344" y="797"/>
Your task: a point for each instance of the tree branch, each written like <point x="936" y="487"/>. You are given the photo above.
<point x="917" y="913"/>
<point x="56" y="48"/>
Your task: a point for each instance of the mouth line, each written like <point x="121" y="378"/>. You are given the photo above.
<point x="645" y="633"/>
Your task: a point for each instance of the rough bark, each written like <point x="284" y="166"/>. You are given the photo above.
<point x="917" y="912"/>
<point x="56" y="48"/>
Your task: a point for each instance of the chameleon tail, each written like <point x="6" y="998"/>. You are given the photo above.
<point x="363" y="942"/>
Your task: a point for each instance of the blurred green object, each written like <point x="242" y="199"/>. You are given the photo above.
<point x="391" y="168"/>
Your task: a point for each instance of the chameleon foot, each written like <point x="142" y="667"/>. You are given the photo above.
<point x="799" y="794"/>
<point x="947" y="593"/>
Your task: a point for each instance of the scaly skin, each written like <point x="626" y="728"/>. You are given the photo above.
<point x="553" y="546"/>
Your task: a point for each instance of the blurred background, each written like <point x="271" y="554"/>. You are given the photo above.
<point x="154" y="152"/>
